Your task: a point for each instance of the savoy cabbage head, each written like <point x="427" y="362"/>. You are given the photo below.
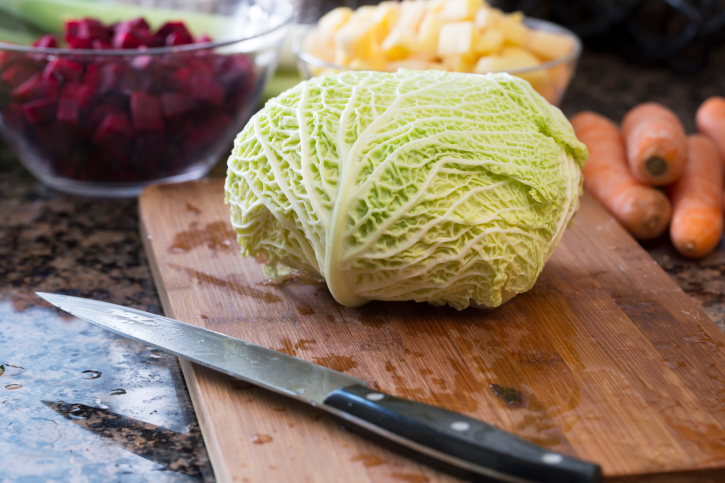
<point x="428" y="186"/>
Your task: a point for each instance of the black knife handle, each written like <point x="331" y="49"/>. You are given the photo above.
<point x="488" y="453"/>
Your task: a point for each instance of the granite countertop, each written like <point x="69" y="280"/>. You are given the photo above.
<point x="78" y="403"/>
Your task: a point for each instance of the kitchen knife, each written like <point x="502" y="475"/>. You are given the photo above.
<point x="441" y="438"/>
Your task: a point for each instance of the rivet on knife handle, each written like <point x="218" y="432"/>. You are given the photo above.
<point x="474" y="446"/>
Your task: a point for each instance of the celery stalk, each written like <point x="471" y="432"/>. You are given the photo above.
<point x="49" y="15"/>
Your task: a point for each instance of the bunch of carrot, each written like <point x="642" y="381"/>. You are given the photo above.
<point x="628" y="166"/>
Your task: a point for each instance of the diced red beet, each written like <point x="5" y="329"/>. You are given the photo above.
<point x="24" y="91"/>
<point x="218" y="122"/>
<point x="68" y="111"/>
<point x="92" y="76"/>
<point x="132" y="25"/>
<point x="100" y="44"/>
<point x="16" y="74"/>
<point x="40" y="111"/>
<point x="57" y="139"/>
<point x="141" y="62"/>
<point x="80" y="94"/>
<point x="135" y="81"/>
<point x="200" y="66"/>
<point x="208" y="91"/>
<point x="76" y="42"/>
<point x="91" y="29"/>
<point x="181" y="79"/>
<point x="177" y="38"/>
<point x="126" y="40"/>
<point x="71" y="27"/>
<point x="46" y="89"/>
<point x="63" y="69"/>
<point x="162" y="34"/>
<point x="103" y="78"/>
<point x="203" y="39"/>
<point x="175" y="104"/>
<point x="114" y="128"/>
<point x="7" y="57"/>
<point x="47" y="41"/>
<point x="146" y="112"/>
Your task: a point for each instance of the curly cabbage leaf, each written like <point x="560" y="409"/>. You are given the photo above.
<point x="428" y="186"/>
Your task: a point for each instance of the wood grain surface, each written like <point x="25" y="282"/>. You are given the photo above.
<point x="605" y="359"/>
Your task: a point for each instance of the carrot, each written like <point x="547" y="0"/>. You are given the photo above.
<point x="697" y="200"/>
<point x="710" y="120"/>
<point x="644" y="211"/>
<point x="656" y="146"/>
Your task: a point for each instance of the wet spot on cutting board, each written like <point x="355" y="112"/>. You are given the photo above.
<point x="369" y="459"/>
<point x="510" y="395"/>
<point x="336" y="363"/>
<point x="410" y="477"/>
<point x="287" y="347"/>
<point x="217" y="235"/>
<point x="235" y="287"/>
<point x="193" y="210"/>
<point x="261" y="438"/>
<point x="303" y="343"/>
<point x="305" y="310"/>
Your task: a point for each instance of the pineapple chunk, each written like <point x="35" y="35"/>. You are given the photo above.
<point x="521" y="55"/>
<point x="401" y="41"/>
<point x="514" y="31"/>
<point x="321" y="45"/>
<point x="412" y="64"/>
<point x="436" y="6"/>
<point x="488" y="18"/>
<point x="386" y="16"/>
<point x="459" y="63"/>
<point x="510" y="58"/>
<point x="367" y="64"/>
<point x="487" y="43"/>
<point x="333" y="20"/>
<point x="359" y="37"/>
<point x="548" y="45"/>
<point x="456" y="38"/>
<point x="428" y="33"/>
<point x="460" y="9"/>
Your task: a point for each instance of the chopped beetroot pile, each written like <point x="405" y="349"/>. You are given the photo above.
<point x="122" y="119"/>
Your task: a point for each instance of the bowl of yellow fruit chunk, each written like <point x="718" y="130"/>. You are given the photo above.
<point x="455" y="35"/>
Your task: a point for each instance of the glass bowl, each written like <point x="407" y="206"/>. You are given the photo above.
<point x="550" y="79"/>
<point x="108" y="123"/>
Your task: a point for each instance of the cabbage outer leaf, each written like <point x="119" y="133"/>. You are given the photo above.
<point x="428" y="186"/>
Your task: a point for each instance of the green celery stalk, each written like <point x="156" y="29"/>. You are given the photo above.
<point x="49" y="15"/>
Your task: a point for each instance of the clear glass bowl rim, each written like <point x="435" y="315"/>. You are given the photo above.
<point x="535" y="23"/>
<point x="28" y="49"/>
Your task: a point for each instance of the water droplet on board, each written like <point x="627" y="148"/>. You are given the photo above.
<point x="305" y="310"/>
<point x="12" y="387"/>
<point x="117" y="392"/>
<point x="99" y="404"/>
<point x="368" y="459"/>
<point x="260" y="438"/>
<point x="92" y="374"/>
<point x="508" y="394"/>
<point x="75" y="416"/>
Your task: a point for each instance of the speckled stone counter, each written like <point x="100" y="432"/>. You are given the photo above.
<point x="80" y="404"/>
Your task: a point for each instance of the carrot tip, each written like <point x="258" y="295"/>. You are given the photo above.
<point x="656" y="166"/>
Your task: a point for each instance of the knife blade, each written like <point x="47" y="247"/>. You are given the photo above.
<point x="438" y="437"/>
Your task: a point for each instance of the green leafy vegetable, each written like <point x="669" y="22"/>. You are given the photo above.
<point x="427" y="186"/>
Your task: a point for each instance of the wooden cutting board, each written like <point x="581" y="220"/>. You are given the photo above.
<point x="605" y="359"/>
